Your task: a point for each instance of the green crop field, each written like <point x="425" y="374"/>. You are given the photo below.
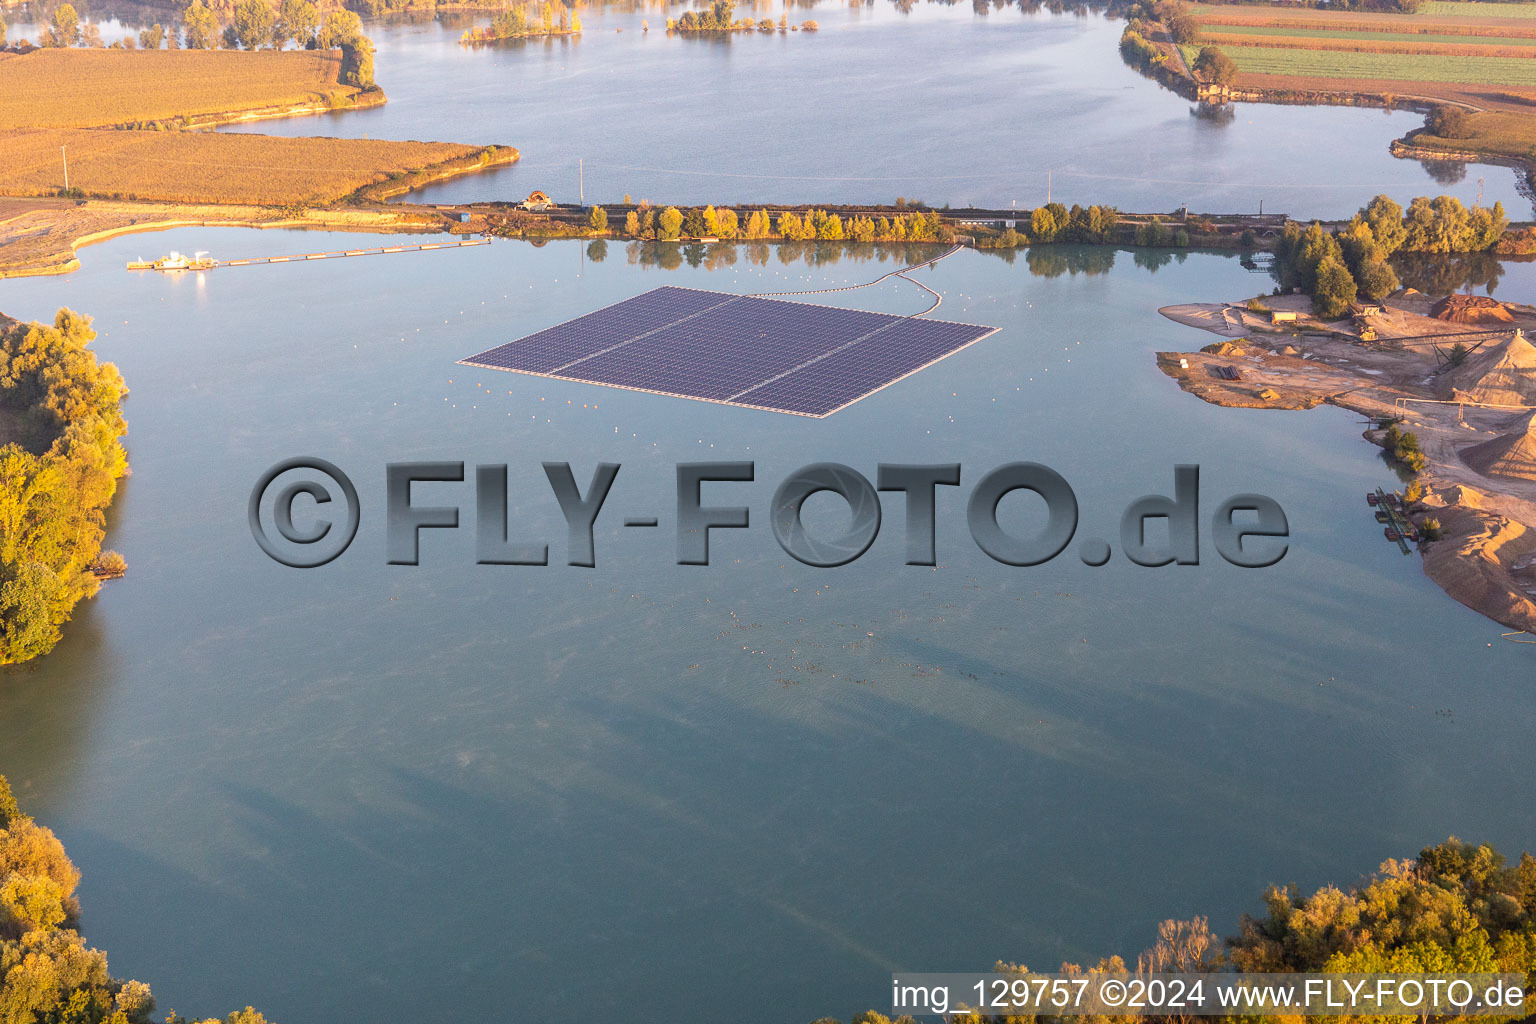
<point x="1474" y="9"/>
<point x="1260" y="60"/>
<point x="1394" y="37"/>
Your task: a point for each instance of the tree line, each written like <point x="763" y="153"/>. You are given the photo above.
<point x="60" y="424"/>
<point x="1455" y="908"/>
<point x="47" y="973"/>
<point x="250" y="25"/>
<point x="527" y="20"/>
<point x="670" y="224"/>
<point x="1337" y="268"/>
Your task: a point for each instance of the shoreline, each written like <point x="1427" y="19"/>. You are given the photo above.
<point x="50" y="231"/>
<point x="1486" y="557"/>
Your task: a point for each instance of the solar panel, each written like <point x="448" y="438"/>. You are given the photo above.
<point x="772" y="354"/>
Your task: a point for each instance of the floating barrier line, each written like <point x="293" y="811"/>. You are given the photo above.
<point x="305" y="257"/>
<point x="901" y="273"/>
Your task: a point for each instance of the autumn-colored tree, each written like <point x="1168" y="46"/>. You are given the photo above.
<point x="298" y="21"/>
<point x="202" y="26"/>
<point x="64" y="28"/>
<point x="669" y="224"/>
<point x="58" y="473"/>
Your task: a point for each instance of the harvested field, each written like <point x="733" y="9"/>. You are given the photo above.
<point x="1326" y="64"/>
<point x="1235" y="33"/>
<point x="88" y="88"/>
<point x="1471" y="9"/>
<point x="1489" y="48"/>
<point x="203" y="167"/>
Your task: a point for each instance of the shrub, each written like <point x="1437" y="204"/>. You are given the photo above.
<point x="1449" y="122"/>
<point x="109" y="563"/>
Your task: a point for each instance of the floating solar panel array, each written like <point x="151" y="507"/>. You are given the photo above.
<point x="735" y="349"/>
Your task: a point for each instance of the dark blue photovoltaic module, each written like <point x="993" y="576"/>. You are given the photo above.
<point x="760" y="353"/>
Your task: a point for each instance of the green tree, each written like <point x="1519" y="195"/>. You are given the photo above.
<point x="202" y="27"/>
<point x="64" y="28"/>
<point x="598" y="219"/>
<point x="253" y="22"/>
<point x="1335" y="289"/>
<point x="1385" y="219"/>
<point x="340" y="28"/>
<point x="151" y="38"/>
<point x="357" y="62"/>
<point x="693" y="223"/>
<point x="632" y="224"/>
<point x="297" y="20"/>
<point x="1215" y="67"/>
<point x="670" y="224"/>
<point x="1376" y="280"/>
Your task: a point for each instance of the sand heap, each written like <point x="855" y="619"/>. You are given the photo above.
<point x="1470" y="309"/>
<point x="1502" y="374"/>
<point x="1511" y="455"/>
<point x="1223" y="348"/>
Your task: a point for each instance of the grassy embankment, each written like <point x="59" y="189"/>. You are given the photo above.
<point x="1479" y="56"/>
<point x="123" y="118"/>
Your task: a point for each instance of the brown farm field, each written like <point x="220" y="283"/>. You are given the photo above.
<point x="207" y="167"/>
<point x="89" y="88"/>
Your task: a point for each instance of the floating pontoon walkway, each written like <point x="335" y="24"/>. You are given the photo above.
<point x="206" y="264"/>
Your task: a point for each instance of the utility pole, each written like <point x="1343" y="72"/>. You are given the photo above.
<point x="1047" y="188"/>
<point x="581" y="180"/>
<point x="65" y="157"/>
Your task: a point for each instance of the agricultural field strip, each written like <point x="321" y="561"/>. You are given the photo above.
<point x="1357" y="21"/>
<point x="1449" y="8"/>
<point x="1380" y="47"/>
<point x="256" y="168"/>
<point x="1264" y="60"/>
<point x="1395" y="37"/>
<point x="59" y="88"/>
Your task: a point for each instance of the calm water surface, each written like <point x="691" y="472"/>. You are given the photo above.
<point x="941" y="104"/>
<point x="743" y="792"/>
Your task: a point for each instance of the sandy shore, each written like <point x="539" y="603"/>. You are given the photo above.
<point x="1486" y="558"/>
<point x="41" y="236"/>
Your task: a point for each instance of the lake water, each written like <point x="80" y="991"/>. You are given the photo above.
<point x="940" y="104"/>
<point x="744" y="792"/>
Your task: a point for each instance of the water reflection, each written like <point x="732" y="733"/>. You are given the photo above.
<point x="1441" y="274"/>
<point x="1445" y="172"/>
<point x="1042" y="261"/>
